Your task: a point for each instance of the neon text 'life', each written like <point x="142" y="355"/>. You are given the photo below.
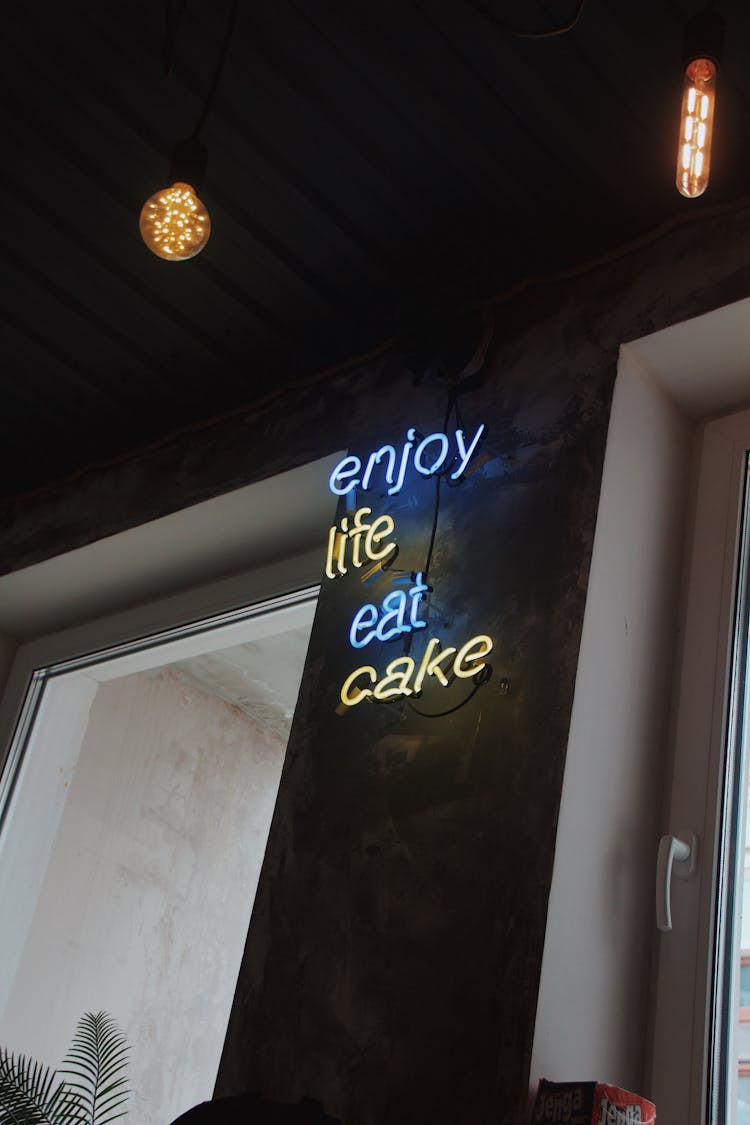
<point x="360" y="540"/>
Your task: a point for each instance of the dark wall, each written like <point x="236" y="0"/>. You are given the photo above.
<point x="392" y="964"/>
<point x="393" y="957"/>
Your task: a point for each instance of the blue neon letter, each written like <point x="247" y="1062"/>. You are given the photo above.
<point x="415" y="593"/>
<point x="345" y="469"/>
<point x="439" y="460"/>
<point x="464" y="453"/>
<point x="372" y="461"/>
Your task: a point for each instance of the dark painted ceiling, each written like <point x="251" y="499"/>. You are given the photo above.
<point x="368" y="165"/>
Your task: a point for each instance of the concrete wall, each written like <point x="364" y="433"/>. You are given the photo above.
<point x="148" y="888"/>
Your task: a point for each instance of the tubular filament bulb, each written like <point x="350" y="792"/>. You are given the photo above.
<point x="696" y="126"/>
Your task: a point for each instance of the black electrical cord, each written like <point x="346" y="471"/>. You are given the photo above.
<point x="450" y="711"/>
<point x="231" y="20"/>
<point x="174" y="10"/>
<point x="528" y="33"/>
<point x="451" y="408"/>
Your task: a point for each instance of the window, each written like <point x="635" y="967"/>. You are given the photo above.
<point x="703" y="990"/>
<point x="140" y="791"/>
<point x="185" y="738"/>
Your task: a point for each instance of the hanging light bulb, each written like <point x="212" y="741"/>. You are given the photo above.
<point x="701" y="52"/>
<point x="174" y="223"/>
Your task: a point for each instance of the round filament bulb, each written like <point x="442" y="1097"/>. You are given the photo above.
<point x="174" y="223"/>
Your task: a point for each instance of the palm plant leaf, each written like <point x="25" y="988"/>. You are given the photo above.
<point x="94" y="1068"/>
<point x="30" y="1094"/>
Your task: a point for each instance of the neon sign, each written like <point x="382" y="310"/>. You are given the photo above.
<point x="391" y="619"/>
<point x="428" y="462"/>
<point x="467" y="661"/>
<point x="365" y="538"/>
<point x="361" y="538"/>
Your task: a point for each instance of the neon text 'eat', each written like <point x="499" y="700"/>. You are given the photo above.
<point x="392" y="618"/>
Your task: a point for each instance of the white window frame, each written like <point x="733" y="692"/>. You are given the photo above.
<point x="601" y="944"/>
<point x="169" y="572"/>
<point x="701" y="737"/>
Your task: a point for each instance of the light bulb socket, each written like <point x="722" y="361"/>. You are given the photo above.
<point x="704" y="38"/>
<point x="189" y="162"/>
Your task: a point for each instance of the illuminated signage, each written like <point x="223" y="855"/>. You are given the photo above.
<point x="362" y="538"/>
<point x="398" y="613"/>
<point x="358" y="537"/>
<point x="431" y="455"/>
<point x="464" y="663"/>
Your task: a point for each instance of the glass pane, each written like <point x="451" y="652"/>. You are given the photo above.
<point x="745" y="967"/>
<point x="743" y="1100"/>
<point x="138" y="829"/>
<point x="730" y="1076"/>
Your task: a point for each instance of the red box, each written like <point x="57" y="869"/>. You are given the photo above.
<point x="589" y="1103"/>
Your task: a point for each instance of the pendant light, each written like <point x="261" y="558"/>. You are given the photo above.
<point x="174" y="222"/>
<point x="700" y="62"/>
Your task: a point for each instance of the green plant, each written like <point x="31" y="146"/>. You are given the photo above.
<point x="89" y="1089"/>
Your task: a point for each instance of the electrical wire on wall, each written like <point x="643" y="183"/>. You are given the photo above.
<point x="482" y="677"/>
<point x="427" y="364"/>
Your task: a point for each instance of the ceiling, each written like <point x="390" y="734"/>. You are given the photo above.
<point x="369" y="167"/>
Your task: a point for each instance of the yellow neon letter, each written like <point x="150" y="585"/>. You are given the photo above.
<point x="380" y="528"/>
<point x="430" y="664"/>
<point x="401" y="678"/>
<point x="330" y="573"/>
<point x="351" y="699"/>
<point x="483" y="645"/>
<point x="357" y="531"/>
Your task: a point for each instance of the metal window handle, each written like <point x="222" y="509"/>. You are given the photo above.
<point x="679" y="852"/>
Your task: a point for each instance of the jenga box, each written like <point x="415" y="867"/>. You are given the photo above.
<point x="590" y="1103"/>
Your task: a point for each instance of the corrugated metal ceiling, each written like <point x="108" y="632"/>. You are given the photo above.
<point x="368" y="164"/>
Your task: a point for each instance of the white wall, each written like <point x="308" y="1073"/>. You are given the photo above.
<point x="146" y="899"/>
<point x="592" y="1015"/>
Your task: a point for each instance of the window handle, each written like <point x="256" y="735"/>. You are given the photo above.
<point x="679" y="852"/>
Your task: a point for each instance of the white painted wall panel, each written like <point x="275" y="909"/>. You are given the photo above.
<point x="592" y="1016"/>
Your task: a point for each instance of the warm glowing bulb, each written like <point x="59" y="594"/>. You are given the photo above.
<point x="174" y="223"/>
<point x="696" y="127"/>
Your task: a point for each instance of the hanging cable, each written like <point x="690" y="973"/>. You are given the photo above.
<point x="232" y="19"/>
<point x="174" y="10"/>
<point x="451" y="408"/>
<point x="174" y="222"/>
<point x="450" y="711"/>
<point x="528" y="33"/>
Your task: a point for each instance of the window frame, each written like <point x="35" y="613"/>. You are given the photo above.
<point x="687" y="982"/>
